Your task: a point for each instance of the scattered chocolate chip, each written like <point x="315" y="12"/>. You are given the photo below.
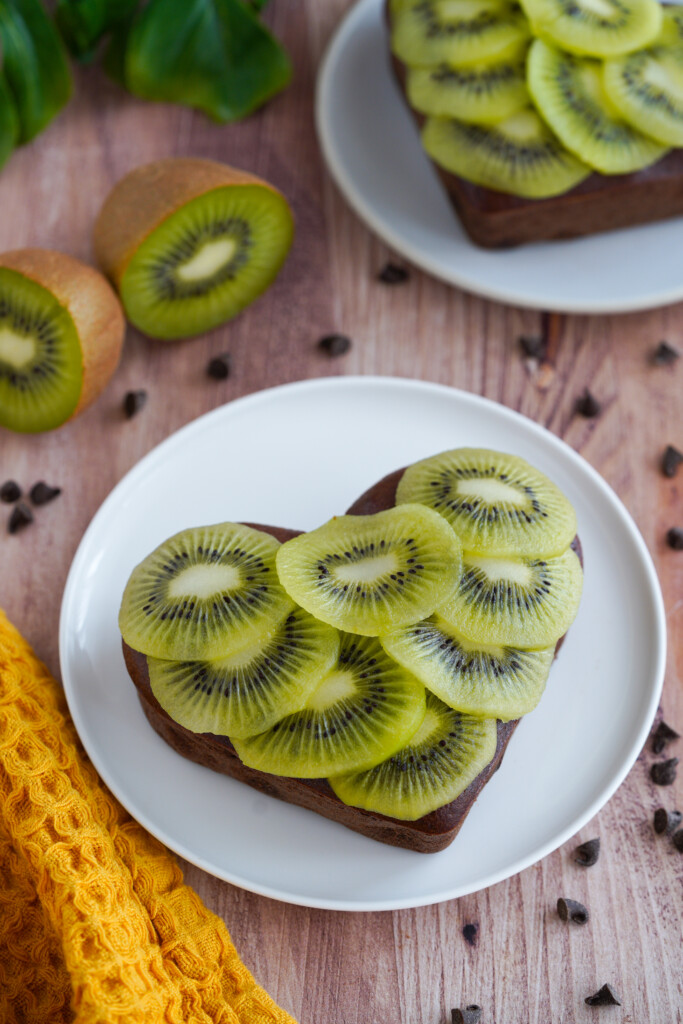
<point x="21" y="517"/>
<point x="133" y="402"/>
<point x="570" y="910"/>
<point x="393" y="274"/>
<point x="41" y="493"/>
<point x="605" y="996"/>
<point x="335" y="344"/>
<point x="219" y="367"/>
<point x="674" y="538"/>
<point x="533" y="347"/>
<point x="677" y="840"/>
<point x="664" y="772"/>
<point x="10" y="492"/>
<point x="671" y="460"/>
<point x="665" y="821"/>
<point x="587" y="405"/>
<point x="470" y="1015"/>
<point x="587" y="854"/>
<point x="665" y="354"/>
<point x="470" y="934"/>
<point x="663" y="734"/>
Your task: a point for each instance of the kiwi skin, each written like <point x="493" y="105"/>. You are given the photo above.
<point x="92" y="304"/>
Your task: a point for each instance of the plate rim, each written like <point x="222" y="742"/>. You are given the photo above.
<point x="336" y="48"/>
<point x="341" y="383"/>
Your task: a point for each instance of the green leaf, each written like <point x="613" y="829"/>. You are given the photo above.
<point x="9" y="121"/>
<point x="35" y="64"/>
<point x="84" y="23"/>
<point x="211" y="54"/>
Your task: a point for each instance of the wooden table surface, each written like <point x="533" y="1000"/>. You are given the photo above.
<point x="411" y="966"/>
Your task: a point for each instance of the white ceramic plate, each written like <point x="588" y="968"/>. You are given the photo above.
<point x="295" y="456"/>
<point x="372" y="149"/>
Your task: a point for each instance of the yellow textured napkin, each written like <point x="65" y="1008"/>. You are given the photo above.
<point x="96" y="925"/>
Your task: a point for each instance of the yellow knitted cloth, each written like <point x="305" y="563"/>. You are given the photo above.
<point x="96" y="925"/>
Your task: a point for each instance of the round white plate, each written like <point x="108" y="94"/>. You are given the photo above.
<point x="373" y="151"/>
<point x="297" y="455"/>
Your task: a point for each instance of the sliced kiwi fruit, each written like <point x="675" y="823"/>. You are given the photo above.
<point x="248" y="691"/>
<point x="595" y="28"/>
<point x="516" y="602"/>
<point x="489" y="680"/>
<point x="362" y="711"/>
<point x="189" y="243"/>
<point x="518" y="155"/>
<point x="496" y="503"/>
<point x="571" y="97"/>
<point x="61" y="334"/>
<point x="204" y="593"/>
<point x="440" y="760"/>
<point x="430" y="32"/>
<point x="671" y="31"/>
<point x="482" y="93"/>
<point x="647" y="86"/>
<point x="370" y="574"/>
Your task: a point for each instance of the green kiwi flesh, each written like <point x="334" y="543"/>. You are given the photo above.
<point x="440" y="760"/>
<point x="518" y="155"/>
<point x="363" y="710"/>
<point x="204" y="593"/>
<point x="516" y="602"/>
<point x="597" y="28"/>
<point x="430" y="32"/>
<point x="481" y="94"/>
<point x="571" y="97"/>
<point x="41" y="367"/>
<point x="246" y="692"/>
<point x="477" y="678"/>
<point x="647" y="89"/>
<point x="496" y="503"/>
<point x="370" y="574"/>
<point x="207" y="261"/>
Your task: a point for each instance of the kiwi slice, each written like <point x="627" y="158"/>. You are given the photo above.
<point x="370" y="574"/>
<point x="362" y="711"/>
<point x="189" y="243"/>
<point x="596" y="28"/>
<point x="204" y="593"/>
<point x="430" y="32"/>
<point x="440" y="760"/>
<point x="496" y="503"/>
<point x="247" y="692"/>
<point x="61" y="334"/>
<point x="489" y="680"/>
<point x="481" y="94"/>
<point x="647" y="86"/>
<point x="518" y="155"/>
<point x="516" y="602"/>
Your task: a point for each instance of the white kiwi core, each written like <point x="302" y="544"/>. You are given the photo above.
<point x="430" y="724"/>
<point x="602" y="8"/>
<point x="16" y="349"/>
<point x="336" y="687"/>
<point x="367" y="571"/>
<point x="203" y="581"/>
<point x="503" y="569"/>
<point x="208" y="260"/>
<point x="493" y="492"/>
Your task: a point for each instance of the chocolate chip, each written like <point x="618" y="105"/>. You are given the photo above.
<point x="665" y="354"/>
<point x="335" y="344"/>
<point x="133" y="402"/>
<point x="21" y="517"/>
<point x="570" y="910"/>
<point x="674" y="538"/>
<point x="664" y="772"/>
<point x="533" y="347"/>
<point x="671" y="460"/>
<point x="665" y="821"/>
<point x="219" y="367"/>
<point x="10" y="492"/>
<point x="605" y="996"/>
<point x="470" y="1015"/>
<point x="587" y="405"/>
<point x="41" y="493"/>
<point x="677" y="840"/>
<point x="469" y="933"/>
<point x="393" y="274"/>
<point x="663" y="734"/>
<point x="587" y="854"/>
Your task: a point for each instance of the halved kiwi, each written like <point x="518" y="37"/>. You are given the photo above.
<point x="370" y="574"/>
<point x="204" y="593"/>
<point x="429" y="32"/>
<point x="516" y="602"/>
<point x="364" y="709"/>
<point x="248" y="691"/>
<point x="597" y="28"/>
<point x="571" y="97"/>
<point x="489" y="680"/>
<point x="189" y="243"/>
<point x="481" y="93"/>
<point x="496" y="503"/>
<point x="518" y="155"/>
<point x="61" y="334"/>
<point x="439" y="761"/>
